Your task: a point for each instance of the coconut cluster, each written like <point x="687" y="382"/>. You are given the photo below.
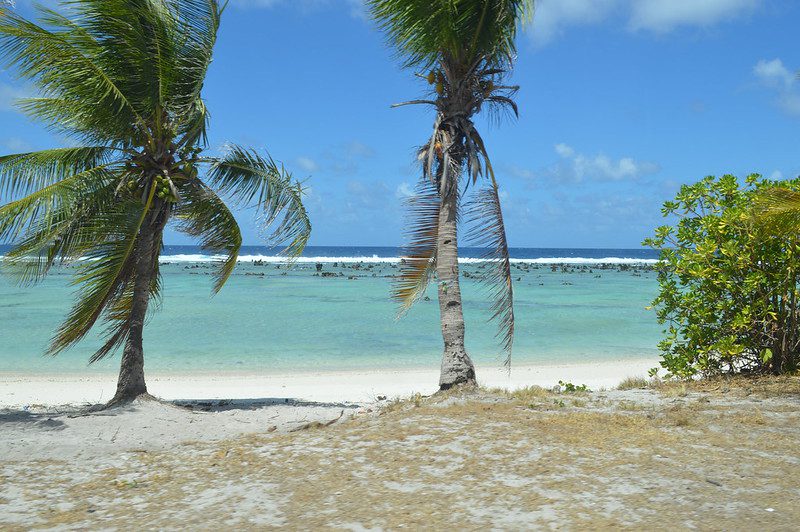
<point x="435" y="77"/>
<point x="164" y="188"/>
<point x="185" y="167"/>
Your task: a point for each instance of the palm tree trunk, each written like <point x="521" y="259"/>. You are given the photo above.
<point x="130" y="384"/>
<point x="457" y="368"/>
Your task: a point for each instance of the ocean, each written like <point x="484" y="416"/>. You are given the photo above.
<point x="572" y="305"/>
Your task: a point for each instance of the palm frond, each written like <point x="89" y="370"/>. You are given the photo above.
<point x="169" y="46"/>
<point x="63" y="64"/>
<point x="419" y="255"/>
<point x="117" y="312"/>
<point x="106" y="270"/>
<point x="63" y="233"/>
<point x="779" y="207"/>
<point x="487" y="230"/>
<point x="422" y="30"/>
<point x="82" y="66"/>
<point x="252" y="180"/>
<point x="25" y="173"/>
<point x="202" y="214"/>
<point x="59" y="200"/>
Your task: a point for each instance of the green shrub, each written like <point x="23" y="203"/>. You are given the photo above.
<point x="728" y="282"/>
<point x="573" y="388"/>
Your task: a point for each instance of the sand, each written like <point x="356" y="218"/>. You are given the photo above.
<point x="656" y="459"/>
<point x="18" y="390"/>
<point x="340" y="451"/>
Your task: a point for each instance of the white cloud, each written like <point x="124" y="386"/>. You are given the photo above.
<point x="271" y="3"/>
<point x="552" y="18"/>
<point x="564" y="151"/>
<point x="354" y="7"/>
<point x="367" y="195"/>
<point x="777" y="175"/>
<point x="519" y="172"/>
<point x="358" y="149"/>
<point x="307" y="164"/>
<point x="403" y="191"/>
<point x="662" y="16"/>
<point x="774" y="75"/>
<point x="575" y="167"/>
<point x="15" y="145"/>
<point x="8" y="95"/>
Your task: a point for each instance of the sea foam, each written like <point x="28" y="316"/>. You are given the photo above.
<point x="199" y="258"/>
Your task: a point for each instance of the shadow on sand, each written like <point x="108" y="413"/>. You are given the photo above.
<point x="223" y="405"/>
<point x="43" y="420"/>
<point x="46" y="418"/>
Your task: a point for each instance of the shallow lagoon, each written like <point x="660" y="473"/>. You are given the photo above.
<point x="271" y="317"/>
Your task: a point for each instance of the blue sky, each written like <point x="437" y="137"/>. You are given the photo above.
<point x="621" y="102"/>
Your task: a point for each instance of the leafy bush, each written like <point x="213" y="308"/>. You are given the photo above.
<point x="728" y="282"/>
<point x="573" y="388"/>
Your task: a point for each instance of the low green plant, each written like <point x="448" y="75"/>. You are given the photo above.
<point x="728" y="292"/>
<point x="568" y="387"/>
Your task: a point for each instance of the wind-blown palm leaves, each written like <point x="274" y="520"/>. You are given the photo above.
<point x="488" y="231"/>
<point x="780" y="207"/>
<point x="123" y="79"/>
<point x="468" y="48"/>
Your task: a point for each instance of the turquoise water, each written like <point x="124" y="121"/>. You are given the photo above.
<point x="270" y="317"/>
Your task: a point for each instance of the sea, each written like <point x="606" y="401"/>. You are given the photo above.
<point x="331" y="310"/>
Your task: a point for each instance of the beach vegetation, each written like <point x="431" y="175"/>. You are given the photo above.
<point x="122" y="81"/>
<point x="569" y="387"/>
<point x="728" y="293"/>
<point x="463" y="50"/>
<point x="633" y="383"/>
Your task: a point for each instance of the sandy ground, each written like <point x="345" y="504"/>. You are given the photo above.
<point x="18" y="390"/>
<point x="707" y="456"/>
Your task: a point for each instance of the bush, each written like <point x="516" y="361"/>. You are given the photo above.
<point x="728" y="282"/>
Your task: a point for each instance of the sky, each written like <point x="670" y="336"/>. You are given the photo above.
<point x="621" y="102"/>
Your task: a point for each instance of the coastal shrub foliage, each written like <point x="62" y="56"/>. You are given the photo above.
<point x="728" y="281"/>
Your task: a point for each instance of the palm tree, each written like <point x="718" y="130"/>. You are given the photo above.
<point x="468" y="46"/>
<point x="123" y="80"/>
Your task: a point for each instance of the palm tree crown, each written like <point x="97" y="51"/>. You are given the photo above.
<point x="122" y="79"/>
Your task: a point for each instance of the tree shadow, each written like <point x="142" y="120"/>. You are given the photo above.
<point x="43" y="420"/>
<point x="223" y="405"/>
<point x="48" y="419"/>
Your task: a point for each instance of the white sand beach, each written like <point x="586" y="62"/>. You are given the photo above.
<point x="20" y="390"/>
<point x="536" y="459"/>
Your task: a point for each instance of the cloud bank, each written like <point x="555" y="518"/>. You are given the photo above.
<point x="554" y="17"/>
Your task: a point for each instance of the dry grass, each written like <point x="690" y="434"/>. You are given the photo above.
<point x="633" y="383"/>
<point x="465" y="459"/>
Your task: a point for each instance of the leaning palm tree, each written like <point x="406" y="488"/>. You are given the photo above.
<point x="468" y="48"/>
<point x="122" y="79"/>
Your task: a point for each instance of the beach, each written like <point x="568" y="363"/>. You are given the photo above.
<point x="19" y="390"/>
<point x="298" y="399"/>
<point x="710" y="455"/>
